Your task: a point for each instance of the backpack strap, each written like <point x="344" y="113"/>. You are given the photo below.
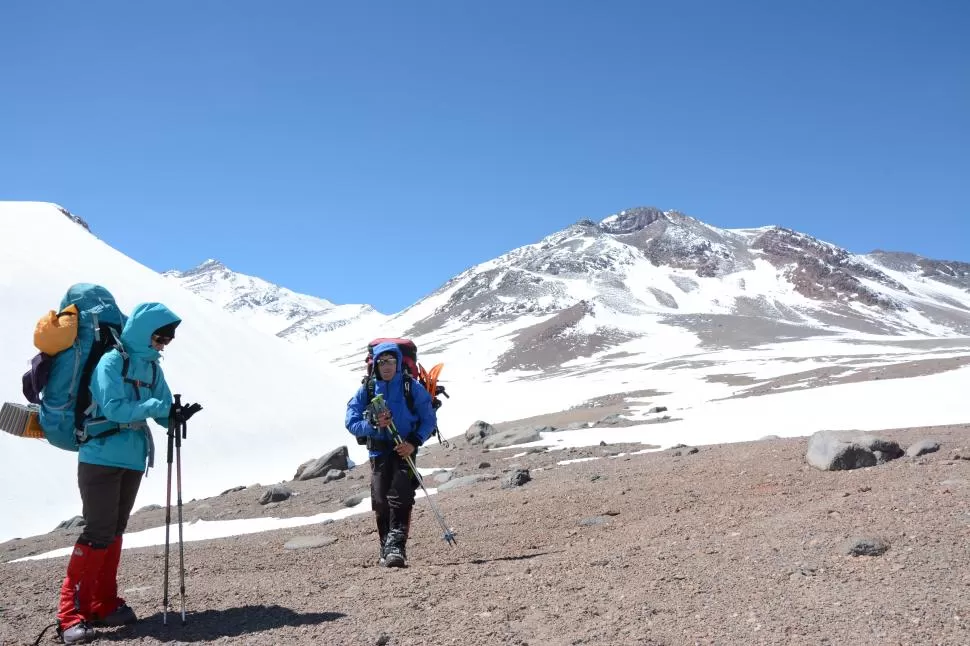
<point x="408" y="395"/>
<point x="136" y="383"/>
<point x="104" y="339"/>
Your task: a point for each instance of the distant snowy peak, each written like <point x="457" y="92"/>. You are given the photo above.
<point x="269" y="307"/>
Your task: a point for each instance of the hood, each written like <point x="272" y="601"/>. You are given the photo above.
<point x="145" y="319"/>
<point x="381" y="348"/>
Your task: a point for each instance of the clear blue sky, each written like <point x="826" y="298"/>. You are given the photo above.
<point x="303" y="141"/>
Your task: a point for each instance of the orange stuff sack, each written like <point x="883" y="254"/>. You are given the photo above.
<point x="56" y="331"/>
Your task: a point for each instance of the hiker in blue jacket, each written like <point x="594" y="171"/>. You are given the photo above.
<point x="127" y="389"/>
<point x="392" y="483"/>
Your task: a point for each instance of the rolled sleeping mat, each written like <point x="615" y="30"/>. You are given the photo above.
<point x="21" y="420"/>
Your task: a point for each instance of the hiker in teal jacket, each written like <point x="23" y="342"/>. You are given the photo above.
<point x="130" y="400"/>
<point x="128" y="388"/>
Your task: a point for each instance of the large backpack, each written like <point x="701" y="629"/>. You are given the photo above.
<point x="59" y="378"/>
<point x="412" y="370"/>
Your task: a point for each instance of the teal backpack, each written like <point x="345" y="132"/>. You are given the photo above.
<point x="60" y="384"/>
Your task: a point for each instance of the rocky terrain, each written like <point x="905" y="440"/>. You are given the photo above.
<point x="742" y="543"/>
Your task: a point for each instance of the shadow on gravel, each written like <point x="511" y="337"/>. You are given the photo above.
<point x="522" y="557"/>
<point x="209" y="625"/>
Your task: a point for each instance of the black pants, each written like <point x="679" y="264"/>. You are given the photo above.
<point x="108" y="495"/>
<point x="392" y="492"/>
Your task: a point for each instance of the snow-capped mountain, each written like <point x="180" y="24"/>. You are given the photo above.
<point x="255" y="427"/>
<point x="594" y="286"/>
<point x="269" y="307"/>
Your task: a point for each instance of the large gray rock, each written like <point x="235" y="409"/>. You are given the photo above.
<point x="844" y="450"/>
<point x="478" y="431"/>
<point x="335" y="460"/>
<point x="511" y="438"/>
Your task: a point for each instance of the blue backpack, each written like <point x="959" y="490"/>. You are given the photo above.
<point x="60" y="384"/>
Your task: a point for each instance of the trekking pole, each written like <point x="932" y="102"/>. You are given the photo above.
<point x="168" y="510"/>
<point x="449" y="536"/>
<point x="178" y="475"/>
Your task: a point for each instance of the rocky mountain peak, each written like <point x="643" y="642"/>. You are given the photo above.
<point x="631" y="220"/>
<point x="210" y="266"/>
<point x="74" y="218"/>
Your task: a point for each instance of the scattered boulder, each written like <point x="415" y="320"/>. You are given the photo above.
<point x="844" y="450"/>
<point x="334" y="474"/>
<point x="517" y="478"/>
<point x="922" y="448"/>
<point x="478" y="431"/>
<point x="356" y="499"/>
<point x="455" y="483"/>
<point x="511" y="438"/>
<point x="233" y="490"/>
<point x="441" y="477"/>
<point x="71" y="523"/>
<point x="305" y="542"/>
<point x="335" y="460"/>
<point x="657" y="409"/>
<point x="277" y="493"/>
<point x="863" y="546"/>
<point x="612" y="420"/>
<point x="484" y="465"/>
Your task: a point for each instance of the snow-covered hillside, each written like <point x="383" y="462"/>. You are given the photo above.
<point x="268" y="406"/>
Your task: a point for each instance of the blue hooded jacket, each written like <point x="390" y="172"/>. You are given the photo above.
<point x="124" y="404"/>
<point x="415" y="427"/>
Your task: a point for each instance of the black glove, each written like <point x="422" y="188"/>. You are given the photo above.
<point x="181" y="414"/>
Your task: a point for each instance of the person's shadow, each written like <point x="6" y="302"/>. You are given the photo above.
<point x="208" y="625"/>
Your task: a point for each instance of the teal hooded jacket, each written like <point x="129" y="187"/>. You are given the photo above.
<point x="121" y="403"/>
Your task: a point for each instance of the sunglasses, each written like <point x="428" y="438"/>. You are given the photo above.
<point x="161" y="340"/>
<point x="387" y="361"/>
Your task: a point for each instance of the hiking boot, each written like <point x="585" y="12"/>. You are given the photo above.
<point x="121" y="616"/>
<point x="395" y="554"/>
<point x="81" y="633"/>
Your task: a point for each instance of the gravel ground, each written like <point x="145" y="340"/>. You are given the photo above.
<point x="739" y="543"/>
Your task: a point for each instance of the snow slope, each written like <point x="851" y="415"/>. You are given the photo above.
<point x="268" y="406"/>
